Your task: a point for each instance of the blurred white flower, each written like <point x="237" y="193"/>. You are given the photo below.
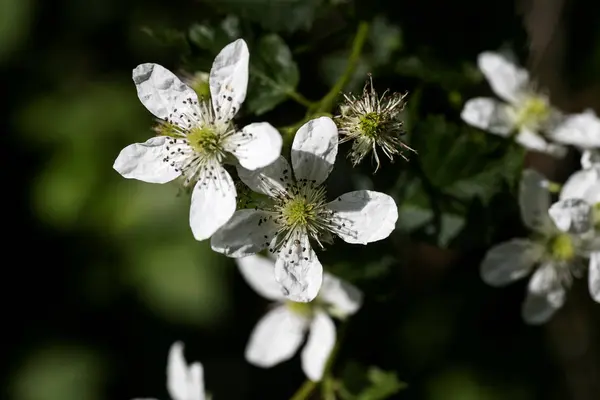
<point x="555" y="257"/>
<point x="279" y="334"/>
<point x="527" y="113"/>
<point x="583" y="181"/>
<point x="196" y="138"/>
<point x="298" y="212"/>
<point x="184" y="382"/>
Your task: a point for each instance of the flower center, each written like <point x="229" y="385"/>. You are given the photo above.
<point x="532" y="112"/>
<point x="204" y="140"/>
<point x="561" y="247"/>
<point x="302" y="309"/>
<point x="298" y="212"/>
<point x="369" y="124"/>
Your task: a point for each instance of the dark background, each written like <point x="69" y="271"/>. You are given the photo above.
<point x="101" y="274"/>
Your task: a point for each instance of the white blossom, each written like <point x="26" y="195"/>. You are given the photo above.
<point x="281" y="331"/>
<point x="582" y="183"/>
<point x="298" y="213"/>
<point x="552" y="256"/>
<point x="527" y="112"/>
<point x="184" y="382"/>
<point x="197" y="137"/>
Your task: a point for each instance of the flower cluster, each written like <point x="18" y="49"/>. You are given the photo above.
<point x="565" y="240"/>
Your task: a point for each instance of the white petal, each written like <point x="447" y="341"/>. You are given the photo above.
<point x="572" y="215"/>
<point x="177" y="373"/>
<point x="534" y="200"/>
<point x="510" y="261"/>
<point x="213" y="202"/>
<point x="319" y="345"/>
<point x="271" y="180"/>
<point x="489" y="115"/>
<point x="161" y="92"/>
<point x="246" y="233"/>
<point x="545" y="295"/>
<point x="196" y="379"/>
<point x="534" y="142"/>
<point x="364" y="216"/>
<point x="259" y="273"/>
<point x="229" y="79"/>
<point x="298" y="270"/>
<point x="594" y="276"/>
<point x="314" y="149"/>
<point x="579" y="183"/>
<point x="506" y="79"/>
<point x="275" y="338"/>
<point x="144" y="161"/>
<point x="590" y="158"/>
<point x="256" y="146"/>
<point x="592" y="195"/>
<point x="345" y="298"/>
<point x="580" y="130"/>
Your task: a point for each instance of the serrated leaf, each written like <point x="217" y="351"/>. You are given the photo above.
<point x="273" y="74"/>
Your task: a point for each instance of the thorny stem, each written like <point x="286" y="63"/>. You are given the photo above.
<point x="327" y="387"/>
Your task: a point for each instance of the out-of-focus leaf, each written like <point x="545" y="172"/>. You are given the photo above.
<point x="385" y="39"/>
<point x="15" y="21"/>
<point x="273" y="74"/>
<point x="183" y="282"/>
<point x="274" y="15"/>
<point x="425" y="67"/>
<point x="333" y="65"/>
<point x="212" y="38"/>
<point x="359" y="382"/>
<point x="59" y="372"/>
<point x="170" y="38"/>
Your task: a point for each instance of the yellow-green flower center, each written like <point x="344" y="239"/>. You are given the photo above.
<point x="298" y="212"/>
<point x="303" y="309"/>
<point x="204" y="139"/>
<point x="533" y="111"/>
<point x="369" y="124"/>
<point x="561" y="247"/>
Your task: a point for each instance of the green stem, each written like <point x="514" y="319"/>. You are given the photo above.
<point x="327" y="102"/>
<point x="327" y="388"/>
<point x="305" y="390"/>
<point x="298" y="98"/>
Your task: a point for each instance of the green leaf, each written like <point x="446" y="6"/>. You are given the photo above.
<point x="213" y="39"/>
<point x="385" y="38"/>
<point x="273" y="74"/>
<point x="367" y="383"/>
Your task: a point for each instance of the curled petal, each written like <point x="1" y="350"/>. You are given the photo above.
<point x="272" y="180"/>
<point x="229" y="79"/>
<point x="256" y="146"/>
<point x="259" y="272"/>
<point x="534" y="142"/>
<point x="162" y="93"/>
<point x="363" y="216"/>
<point x="510" y="261"/>
<point x="246" y="233"/>
<point x="319" y="345"/>
<point x="545" y="295"/>
<point x="506" y="79"/>
<point x="145" y="162"/>
<point x="572" y="215"/>
<point x="489" y="115"/>
<point x="183" y="382"/>
<point x="345" y="298"/>
<point x="314" y="149"/>
<point x="534" y="201"/>
<point x="298" y="270"/>
<point x="275" y="338"/>
<point x="594" y="276"/>
<point x="579" y="183"/>
<point x="213" y="202"/>
<point x="580" y="130"/>
<point x="590" y="158"/>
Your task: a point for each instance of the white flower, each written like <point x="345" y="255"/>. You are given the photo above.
<point x="279" y="334"/>
<point x="184" y="382"/>
<point x="581" y="216"/>
<point x="198" y="137"/>
<point x="584" y="180"/>
<point x="528" y="113"/>
<point x="299" y="213"/>
<point x="557" y="254"/>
